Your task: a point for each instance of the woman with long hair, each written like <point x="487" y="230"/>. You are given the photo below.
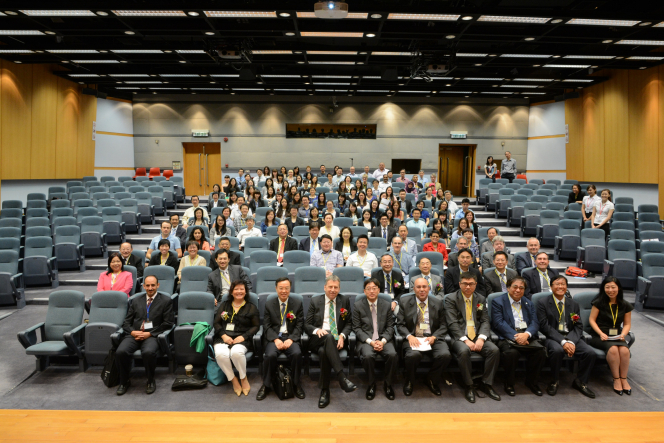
<point x="115" y="278"/>
<point x="345" y="245"/>
<point x="198" y="218"/>
<point x="367" y="221"/>
<point x="397" y="211"/>
<point x="314" y="215"/>
<point x="472" y="224"/>
<point x="232" y="187"/>
<point x="321" y="202"/>
<point x="362" y="202"/>
<point x="374" y="210"/>
<point x="269" y="220"/>
<point x="296" y="199"/>
<point x="352" y="196"/>
<point x="198" y="236"/>
<point x="283" y="210"/>
<point x="266" y="172"/>
<point x="352" y="212"/>
<point x="341" y="190"/>
<point x="588" y="202"/>
<point x="463" y="225"/>
<point x="226" y="212"/>
<point x="359" y="186"/>
<point x="269" y="183"/>
<point x="270" y="195"/>
<point x="490" y="169"/>
<point x="342" y="204"/>
<point x="280" y="185"/>
<point x="314" y="182"/>
<point x="298" y="181"/>
<point x="218" y="230"/>
<point x="215" y="188"/>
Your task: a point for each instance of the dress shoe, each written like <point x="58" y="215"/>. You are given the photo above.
<point x="552" y="388"/>
<point x="262" y="393"/>
<point x="347" y="385"/>
<point x="151" y="387"/>
<point x="299" y="392"/>
<point x="535" y="389"/>
<point x="585" y="390"/>
<point x="389" y="392"/>
<point x="433" y="387"/>
<point x="371" y="391"/>
<point x="626" y="391"/>
<point x="470" y="393"/>
<point x="617" y="391"/>
<point x="324" y="399"/>
<point x="488" y="390"/>
<point x="122" y="389"/>
<point x="510" y="390"/>
<point x="408" y="389"/>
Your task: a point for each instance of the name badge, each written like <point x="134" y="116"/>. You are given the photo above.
<point x="523" y="325"/>
<point x="147" y="326"/>
<point x="424" y="325"/>
<point x="613" y="332"/>
<point x="561" y="327"/>
<point x="230" y="327"/>
<point x="470" y="323"/>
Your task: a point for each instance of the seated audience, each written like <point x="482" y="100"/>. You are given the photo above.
<point x="527" y="259"/>
<point x="326" y="257"/>
<point x="416" y="222"/>
<point x="283" y="243"/>
<point x="165" y="257"/>
<point x="363" y="258"/>
<point x="402" y="260"/>
<point x="453" y="274"/>
<point x="435" y="245"/>
<point x="539" y="279"/>
<point x="249" y="231"/>
<point x="435" y="282"/>
<point x="115" y="278"/>
<point x="311" y="243"/>
<point x="329" y="228"/>
<point x="192" y="258"/>
<point x="390" y="281"/>
<point x="220" y="279"/>
<point x="129" y="259"/>
<point x="346" y="244"/>
<point x="384" y="230"/>
<point x="218" y="230"/>
<point x="189" y="214"/>
<point x="165" y="235"/>
<point x="178" y="231"/>
<point x="293" y="220"/>
<point x="496" y="280"/>
<point x="498" y="246"/>
<point x="198" y="236"/>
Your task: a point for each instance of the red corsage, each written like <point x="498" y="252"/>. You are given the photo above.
<point x="343" y="313"/>
<point x="290" y="316"/>
<point x="575" y="317"/>
<point x="479" y="306"/>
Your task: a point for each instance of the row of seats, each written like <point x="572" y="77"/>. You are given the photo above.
<point x="155" y="173"/>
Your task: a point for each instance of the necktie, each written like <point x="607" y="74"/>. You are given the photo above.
<point x="428" y="277"/>
<point x="280" y="254"/>
<point x="469" y="316"/>
<point x="503" y="284"/>
<point x="420" y="319"/>
<point x="388" y="280"/>
<point x="313" y="246"/>
<point x="283" y="316"/>
<point x="333" y="322"/>
<point x="385" y="233"/>
<point x="545" y="283"/>
<point x="374" y="319"/>
<point x="147" y="308"/>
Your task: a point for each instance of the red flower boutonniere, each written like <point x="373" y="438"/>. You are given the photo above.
<point x="224" y="315"/>
<point x="343" y="313"/>
<point x="439" y="287"/>
<point x="397" y="284"/>
<point x="575" y="317"/>
<point x="290" y="316"/>
<point x="480" y="306"/>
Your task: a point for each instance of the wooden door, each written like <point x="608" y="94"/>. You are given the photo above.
<point x="202" y="167"/>
<point x="452" y="169"/>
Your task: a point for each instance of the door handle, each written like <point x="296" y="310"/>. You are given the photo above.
<point x="199" y="170"/>
<point x="207" y="176"/>
<point x="466" y="172"/>
<point x="447" y="176"/>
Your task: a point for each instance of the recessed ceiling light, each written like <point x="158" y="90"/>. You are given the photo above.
<point x="234" y="14"/>
<point x="103" y="51"/>
<point x="284" y="14"/>
<point x="146" y="13"/>
<point x="536" y="66"/>
<point x="533" y="79"/>
<point x="607" y="41"/>
<point x="64" y="61"/>
<point x="467" y="17"/>
<point x="645" y="24"/>
<point x="620" y="57"/>
<point x="130" y="32"/>
<point x="643" y="67"/>
<point x="641" y="42"/>
<point x="190" y="51"/>
<point x="19" y="32"/>
<point x="192" y="14"/>
<point x="509" y="19"/>
<point x="270" y="52"/>
<point x="428" y="17"/>
<point x="102" y="13"/>
<point x="596" y="22"/>
<point x="567" y="66"/>
<point x="137" y="51"/>
<point x="16" y="61"/>
<point x="182" y="61"/>
<point x="331" y="52"/>
<point x="370" y="35"/>
<point x="376" y="16"/>
<point x="290" y="34"/>
<point x="644" y="58"/>
<point x="95" y="61"/>
<point x="478" y="64"/>
<point x="209" y="33"/>
<point x="526" y="55"/>
<point x="11" y="12"/>
<point x="594" y="66"/>
<point x="470" y="54"/>
<point x="597" y="57"/>
<point x="360" y="63"/>
<point x="484" y="78"/>
<point x="49" y="32"/>
<point x="556" y="56"/>
<point x="124" y="61"/>
<point x="529" y="39"/>
<point x="57" y="13"/>
<point x="300" y="62"/>
<point x="493" y="55"/>
<point x="332" y="34"/>
<point x="556" y="20"/>
<point x="450" y="37"/>
<point x="71" y="51"/>
<point x="213" y="83"/>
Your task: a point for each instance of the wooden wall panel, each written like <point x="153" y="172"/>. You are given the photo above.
<point x="85" y="158"/>
<point x="44" y="122"/>
<point x="574" y="149"/>
<point x="593" y="133"/>
<point x="660" y="178"/>
<point x="16" y="120"/>
<point x="616" y="127"/>
<point x="643" y="126"/>
<point x="66" y="144"/>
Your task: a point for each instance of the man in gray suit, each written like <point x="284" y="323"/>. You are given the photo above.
<point x="469" y="326"/>
<point x="435" y="282"/>
<point x="373" y="324"/>
<point x="219" y="281"/>
<point x="498" y="245"/>
<point x="409" y="246"/>
<point x="496" y="280"/>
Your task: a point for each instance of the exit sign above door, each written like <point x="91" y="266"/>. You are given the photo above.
<point x="458" y="134"/>
<point x="200" y="132"/>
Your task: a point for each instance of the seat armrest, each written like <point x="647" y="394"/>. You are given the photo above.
<point x="117" y="337"/>
<point x="258" y="344"/>
<point x="632" y="339"/>
<point x="580" y="256"/>
<point x="17" y="281"/>
<point x="75" y="339"/>
<point x="209" y="339"/>
<point x="53" y="263"/>
<point x="642" y="289"/>
<point x="608" y="268"/>
<point x="164" y="342"/>
<point x="586" y="336"/>
<point x="639" y="267"/>
<point x="28" y="337"/>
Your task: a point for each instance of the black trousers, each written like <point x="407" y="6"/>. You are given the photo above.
<point x="491" y="355"/>
<point x="584" y="354"/>
<point x="508" y="176"/>
<point x="368" y="359"/>
<point x="294" y="355"/>
<point x="326" y="347"/>
<point x="509" y="357"/>
<point x="124" y="355"/>
<point x="606" y="228"/>
<point x="440" y="354"/>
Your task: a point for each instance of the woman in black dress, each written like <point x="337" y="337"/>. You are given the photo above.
<point x="165" y="257"/>
<point x="611" y="316"/>
<point x="235" y="324"/>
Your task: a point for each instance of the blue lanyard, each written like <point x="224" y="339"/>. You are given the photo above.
<point x="148" y="308"/>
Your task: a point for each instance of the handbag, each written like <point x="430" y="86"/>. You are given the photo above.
<point x="282" y="383"/>
<point x="214" y="374"/>
<point x="109" y="375"/>
<point x="186" y="382"/>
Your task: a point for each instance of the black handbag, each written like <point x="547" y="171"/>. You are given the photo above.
<point x="187" y="382"/>
<point x="282" y="383"/>
<point x="109" y="375"/>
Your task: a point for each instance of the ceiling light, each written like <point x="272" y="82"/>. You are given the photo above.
<point x="567" y="66"/>
<point x="167" y="51"/>
<point x="428" y="17"/>
<point x="376" y="16"/>
<point x="332" y="52"/>
<point x="15" y="51"/>
<point x="71" y="51"/>
<point x="170" y="89"/>
<point x="448" y="84"/>
<point x="620" y="57"/>
<point x="501" y="93"/>
<point x="450" y="37"/>
<point x="355" y="15"/>
<point x="526" y="55"/>
<point x="192" y="14"/>
<point x="533" y="79"/>
<point x="83" y="75"/>
<point x="137" y="51"/>
<point x="510" y="19"/>
<point x="11" y="12"/>
<point x="529" y="39"/>
<point x="280" y="76"/>
<point x="643" y="67"/>
<point x="292" y="90"/>
<point x="330" y="63"/>
<point x="373" y="90"/>
<point x="370" y="35"/>
<point x="19" y="32"/>
<point x="467" y="17"/>
<point x="470" y="54"/>
<point x="143" y="83"/>
<point x="95" y="61"/>
<point x="284" y="14"/>
<point x="17" y="61"/>
<point x="478" y="64"/>
<point x="645" y="24"/>
<point x="416" y="92"/>
<point x="270" y="52"/>
<point x="556" y="20"/>
<point x="190" y="51"/>
<point x="124" y="61"/>
<point x="129" y="75"/>
<point x="484" y="78"/>
<point x="597" y="57"/>
<point x="209" y="33"/>
<point x="536" y="66"/>
<point x="575" y="80"/>
<point x="49" y="32"/>
<point x="248" y="89"/>
<point x="102" y="13"/>
<point x="208" y="89"/>
<point x="556" y="56"/>
<point x="103" y="51"/>
<point x="327" y="76"/>
<point x="455" y="92"/>
<point x="182" y="61"/>
<point x="129" y="32"/>
<point x="142" y="13"/>
<point x="641" y="42"/>
<point x="600" y="22"/>
<point x="360" y="63"/>
<point x="518" y="86"/>
<point x="179" y="75"/>
<point x="331" y="84"/>
<point x="57" y="13"/>
<point x="290" y="34"/>
<point x="408" y="54"/>
<point x="300" y="62"/>
<point x="248" y="14"/>
<point x="644" y="58"/>
<point x="607" y="41"/>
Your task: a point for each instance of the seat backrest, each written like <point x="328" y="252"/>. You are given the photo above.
<point x="378" y="243"/>
<point x="592" y="237"/>
<point x="623" y="216"/>
<point x="12" y="213"/>
<point x="59" y="204"/>
<point x="357" y="231"/>
<point x="67" y="234"/>
<point x="33" y="204"/>
<point x="156" y="191"/>
<point x="9" y="261"/>
<point x="86" y="212"/>
<point x="518" y="200"/>
<point x="569" y="227"/>
<point x="484" y="183"/>
<point x="513" y="185"/>
<point x="533" y="184"/>
<point x="11" y="223"/>
<point x="111" y="212"/>
<point x="267" y="276"/>
<point x="73" y="183"/>
<point x="554" y="182"/>
<point x="256" y="243"/>
<point x="622" y="234"/>
<point x="585" y="300"/>
<point x="623" y="225"/>
<point x="106" y="203"/>
<point x="14" y="244"/>
<point x="165" y="275"/>
<point x="38" y="246"/>
<point x="65" y="312"/>
<point x="573" y="215"/>
<point x="108" y="307"/>
<point x="648" y="247"/>
<point x="64" y="221"/>
<point x="128" y="205"/>
<point x="37" y="221"/>
<point x="352" y="279"/>
<point x="296" y="259"/>
<point x="648" y="217"/>
<point x="650" y="226"/>
<point x="625" y="200"/>
<point x="621" y="249"/>
<point x="648" y="208"/>
<point x="301" y="231"/>
<point x="37" y="231"/>
<point x="653" y="264"/>
<point x="436" y="259"/>
<point x="543" y="199"/>
<point x="525" y="191"/>
<point x="623" y="207"/>
<point x="122" y="195"/>
<point x="556" y="206"/>
<point x="196" y="306"/>
<point x="505" y="191"/>
<point x="36" y="212"/>
<point x="193" y="275"/>
<point x="92" y="224"/>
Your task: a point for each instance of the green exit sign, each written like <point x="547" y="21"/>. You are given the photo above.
<point x="200" y="132"/>
<point x="458" y="134"/>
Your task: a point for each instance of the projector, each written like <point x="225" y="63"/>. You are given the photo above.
<point x="229" y="54"/>
<point x="437" y="69"/>
<point x="331" y="9"/>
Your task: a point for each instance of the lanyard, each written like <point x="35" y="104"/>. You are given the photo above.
<point x="546" y="276"/>
<point x="224" y="277"/>
<point x="601" y="207"/>
<point x="282" y="315"/>
<point x="501" y="279"/>
<point x="235" y="312"/>
<point x="426" y="306"/>
<point x="365" y="259"/>
<point x="113" y="278"/>
<point x="518" y="310"/>
<point x="615" y="319"/>
<point x="161" y="258"/>
<point x="398" y="260"/>
<point x="560" y="318"/>
<point x="148" y="308"/>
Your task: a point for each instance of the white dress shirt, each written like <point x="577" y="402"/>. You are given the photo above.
<point x="465" y="337"/>
<point x="367" y="263"/>
<point x="374" y="305"/>
<point x="517" y="314"/>
<point x="326" y="316"/>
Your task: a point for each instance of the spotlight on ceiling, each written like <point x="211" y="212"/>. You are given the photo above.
<point x="331" y="9"/>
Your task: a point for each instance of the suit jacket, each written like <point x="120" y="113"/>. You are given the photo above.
<point x="523" y="261"/>
<point x="340" y="247"/>
<point x="409" y="206"/>
<point x="316" y="315"/>
<point x="171" y="261"/>
<point x="181" y="234"/>
<point x="533" y="283"/>
<point x="453" y="260"/>
<point x="487" y="261"/>
<point x="453" y="277"/>
<point x="289" y="245"/>
<point x="291" y="225"/>
<point x="137" y="263"/>
<point x="548" y="316"/>
<point x="233" y="259"/>
<point x="435" y="281"/>
<point x="397" y="277"/>
<point x="161" y="314"/>
<point x="455" y="313"/>
<point x="502" y="320"/>
<point x="272" y="320"/>
<point x="378" y="232"/>
<point x="246" y="321"/>
<point x="214" y="280"/>
<point x="212" y="205"/>
<point x="305" y="244"/>
<point x="363" y="323"/>
<point x="492" y="280"/>
<point x="408" y="312"/>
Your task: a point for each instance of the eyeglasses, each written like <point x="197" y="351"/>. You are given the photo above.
<point x="468" y="284"/>
<point x="519" y="288"/>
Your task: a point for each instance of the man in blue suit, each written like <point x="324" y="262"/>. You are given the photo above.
<point x="514" y="320"/>
<point x="311" y="243"/>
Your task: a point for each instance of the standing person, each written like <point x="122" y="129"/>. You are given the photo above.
<point x="490" y="169"/>
<point x="602" y="212"/>
<point x="576" y="196"/>
<point x="589" y="202"/>
<point x="508" y="167"/>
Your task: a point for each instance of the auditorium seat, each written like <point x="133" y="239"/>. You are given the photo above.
<point x="114" y="227"/>
<point x="124" y="178"/>
<point x="194" y="279"/>
<point x="56" y="190"/>
<point x="68" y="248"/>
<point x="180" y="190"/>
<point x="60" y="204"/>
<point x="130" y="215"/>
<point x="140" y="172"/>
<point x="11" y="213"/>
<point x="650" y="287"/>
<point x="168" y="173"/>
<point x="36" y="212"/>
<point x="37" y="231"/>
<point x="12" y="204"/>
<point x="86" y="212"/>
<point x="257" y="259"/>
<point x="145" y="207"/>
<point x="108" y="178"/>
<point x="308" y="280"/>
<point x="165" y="275"/>
<point x="169" y="193"/>
<point x="357" y="231"/>
<point x="141" y="179"/>
<point x="547" y="230"/>
<point x="621" y="262"/>
<point x="157" y="179"/>
<point x="624" y="207"/>
<point x="592" y="251"/>
<point x="106" y="203"/>
<point x="480" y="193"/>
<point x="158" y="200"/>
<point x="12" y="287"/>
<point x="516" y="209"/>
<point x="266" y="278"/>
<point x="63" y="221"/>
<point x="568" y="240"/>
<point x="352" y="280"/>
<point x="154" y="172"/>
<point x="294" y="260"/>
<point x="93" y="237"/>
<point x="36" y="204"/>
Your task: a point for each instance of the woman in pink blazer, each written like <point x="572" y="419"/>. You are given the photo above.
<point x="116" y="279"/>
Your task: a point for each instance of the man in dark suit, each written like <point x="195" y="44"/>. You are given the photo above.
<point x="496" y="280"/>
<point x="487" y="257"/>
<point x="404" y="201"/>
<point x="527" y="259"/>
<point x="560" y="321"/>
<point x="148" y="316"/>
<point x="177" y="230"/>
<point x="215" y="203"/>
<point x="311" y="243"/>
<point x="421" y="319"/>
<point x="539" y="279"/>
<point x="328" y="325"/>
<point x="453" y="258"/>
<point x="373" y="324"/>
<point x="389" y="282"/>
<point x="469" y="326"/>
<point x="219" y="281"/>
<point x="233" y="256"/>
<point x="384" y="230"/>
<point x="283" y="243"/>
<point x="130" y="259"/>
<point x="293" y="220"/>
<point x="514" y="320"/>
<point x="283" y="323"/>
<point x="452" y="275"/>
